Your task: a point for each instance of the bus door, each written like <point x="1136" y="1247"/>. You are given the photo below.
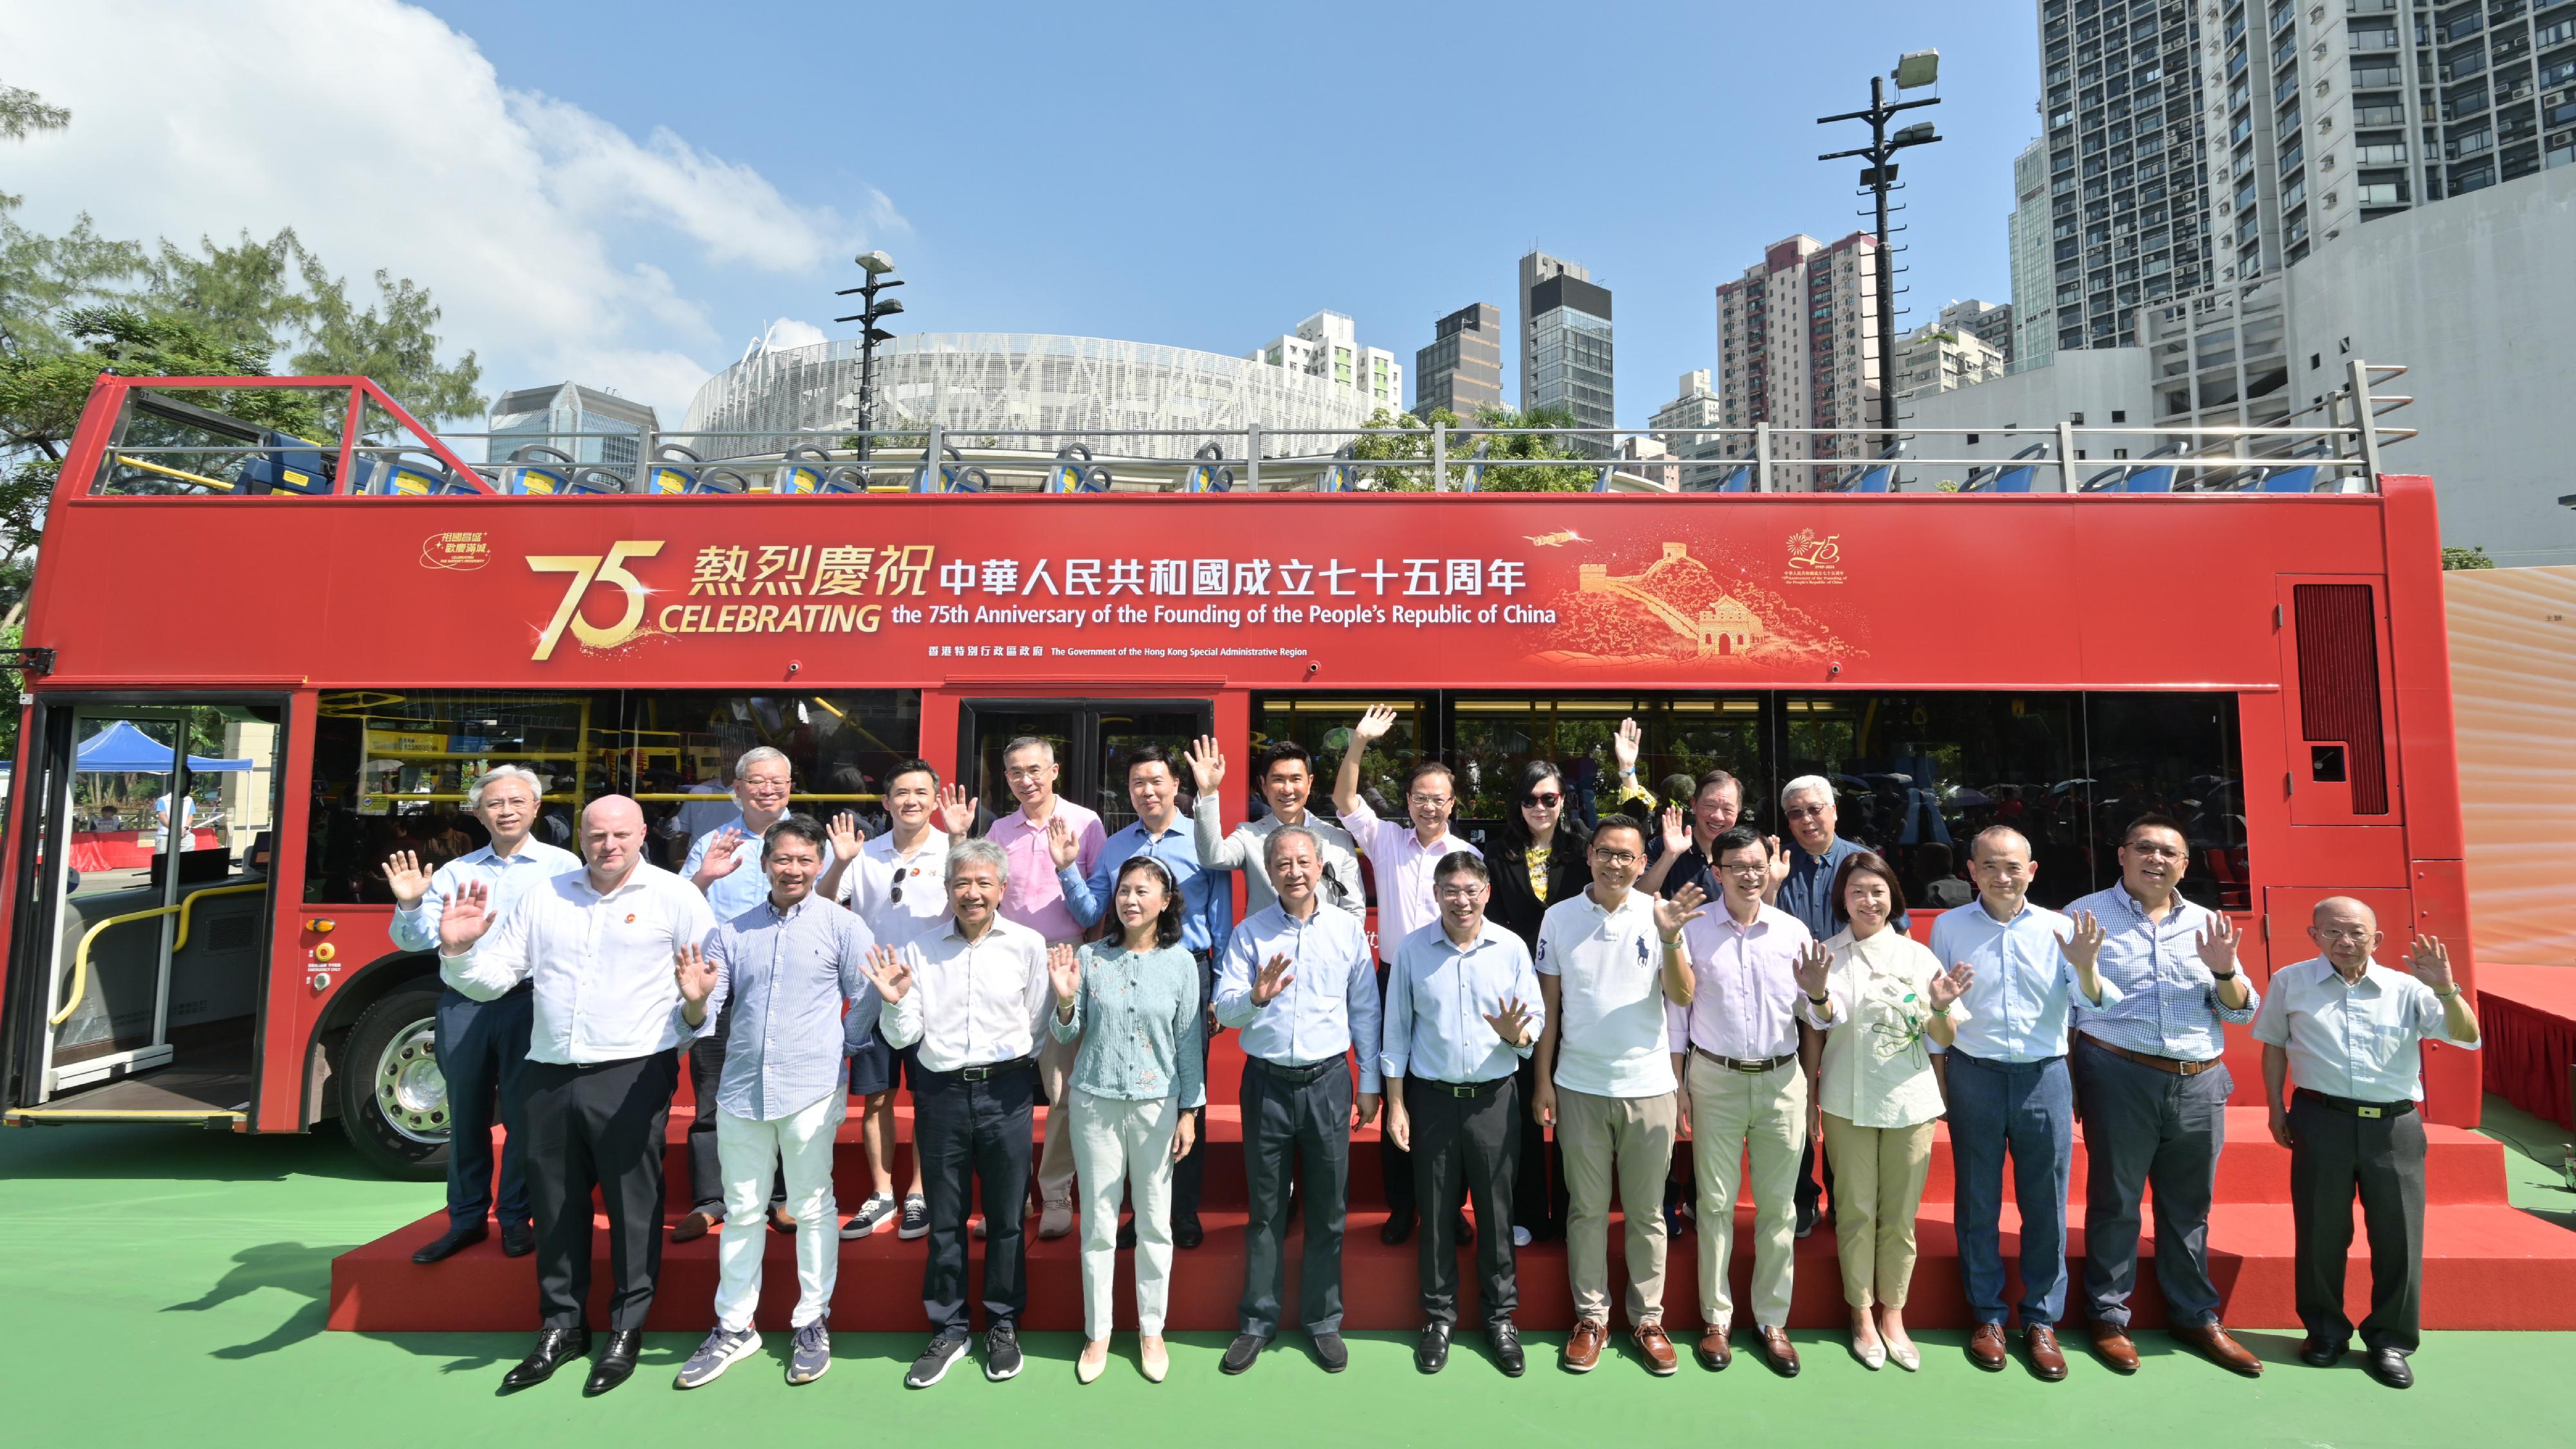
<point x="1092" y="740"/>
<point x="144" y="907"/>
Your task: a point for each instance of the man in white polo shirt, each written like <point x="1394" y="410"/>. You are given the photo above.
<point x="1606" y="1083"/>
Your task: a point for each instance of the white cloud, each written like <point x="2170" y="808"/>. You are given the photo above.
<point x="788" y="332"/>
<point x="388" y="140"/>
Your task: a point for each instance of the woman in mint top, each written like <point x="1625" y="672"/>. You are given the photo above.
<point x="1133" y="1000"/>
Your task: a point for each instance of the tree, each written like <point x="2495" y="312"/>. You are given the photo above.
<point x="2466" y="558"/>
<point x="1391" y="436"/>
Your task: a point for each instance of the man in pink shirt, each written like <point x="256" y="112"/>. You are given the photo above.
<point x="1033" y="898"/>
<point x="1402" y="856"/>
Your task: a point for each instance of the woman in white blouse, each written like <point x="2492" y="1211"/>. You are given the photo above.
<point x="1879" y="1098"/>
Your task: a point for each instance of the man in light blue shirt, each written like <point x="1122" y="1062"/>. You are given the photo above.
<point x="2155" y="1090"/>
<point x="481" y="1045"/>
<point x="2009" y="1092"/>
<point x="1298" y="981"/>
<point x="1462" y="1011"/>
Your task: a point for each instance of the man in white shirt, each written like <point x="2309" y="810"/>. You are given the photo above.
<point x="1606" y="1083"/>
<point x="1403" y="856"/>
<point x="1287" y="777"/>
<point x="598" y="945"/>
<point x="972" y="993"/>
<point x="2350" y="1031"/>
<point x="482" y="1046"/>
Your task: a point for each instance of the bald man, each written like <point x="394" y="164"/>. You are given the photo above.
<point x="2350" y="1032"/>
<point x="599" y="945"/>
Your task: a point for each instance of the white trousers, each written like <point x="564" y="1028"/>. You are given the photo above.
<point x="1119" y="1148"/>
<point x="747" y="1152"/>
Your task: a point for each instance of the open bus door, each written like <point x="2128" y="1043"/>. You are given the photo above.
<point x="138" y="964"/>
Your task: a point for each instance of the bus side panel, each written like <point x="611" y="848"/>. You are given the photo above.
<point x="24" y="780"/>
<point x="293" y="1006"/>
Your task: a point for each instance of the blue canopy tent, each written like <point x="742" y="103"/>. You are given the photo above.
<point x="122" y="749"/>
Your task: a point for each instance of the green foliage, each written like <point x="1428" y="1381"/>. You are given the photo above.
<point x="1392" y="436"/>
<point x="2466" y="558"/>
<point x="23" y="113"/>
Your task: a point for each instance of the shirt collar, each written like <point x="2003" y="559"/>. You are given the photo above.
<point x="789" y="914"/>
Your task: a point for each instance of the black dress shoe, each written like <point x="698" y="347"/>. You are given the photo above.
<point x="1506" y="1340"/>
<point x="448" y="1244"/>
<point x="555" y="1348"/>
<point x="1127" y="1233"/>
<point x="1431" y="1354"/>
<point x="517" y="1241"/>
<point x="1243" y="1353"/>
<point x="1397" y="1227"/>
<point x="1808" y="1216"/>
<point x="2321" y="1353"/>
<point x="616" y="1362"/>
<point x="2389" y="1366"/>
<point x="1186" y="1233"/>
<point x="1330" y="1351"/>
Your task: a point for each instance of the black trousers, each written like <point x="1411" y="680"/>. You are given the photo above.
<point x="483" y="1053"/>
<point x="972" y="1135"/>
<point x="706" y="1179"/>
<point x="1307" y="1125"/>
<point x="2147" y="1128"/>
<point x="1465" y="1147"/>
<point x="1395" y="1165"/>
<point x="598" y="1126"/>
<point x="1191" y="1171"/>
<point x="1538" y="1186"/>
<point x="2337" y="1156"/>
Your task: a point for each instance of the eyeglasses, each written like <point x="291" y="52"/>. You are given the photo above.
<point x="1751" y="870"/>
<point x="1470" y="892"/>
<point x="1025" y="772"/>
<point x="1616" y="857"/>
<point x="1549" y="801"/>
<point x="1806" y="812"/>
<point x="1433" y="801"/>
<point x="2337" y="933"/>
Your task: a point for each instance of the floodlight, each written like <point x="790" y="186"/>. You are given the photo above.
<point x="1916" y="68"/>
<point x="875" y="264"/>
<point x="1918" y="134"/>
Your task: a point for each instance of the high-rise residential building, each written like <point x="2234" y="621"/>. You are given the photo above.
<point x="1797" y="346"/>
<point x="558" y="414"/>
<point x="1989" y="322"/>
<point x="1462" y="369"/>
<point x="1940" y="357"/>
<point x="1326" y="345"/>
<point x="1676" y="423"/>
<point x="2128" y="187"/>
<point x="1565" y="341"/>
<point x="2034" y="336"/>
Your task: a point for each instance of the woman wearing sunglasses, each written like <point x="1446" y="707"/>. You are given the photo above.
<point x="1544" y="858"/>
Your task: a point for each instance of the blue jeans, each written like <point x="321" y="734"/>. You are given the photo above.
<point x="482" y="1049"/>
<point x="2028" y="1110"/>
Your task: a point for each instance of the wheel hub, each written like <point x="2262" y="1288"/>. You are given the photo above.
<point x="410" y="1092"/>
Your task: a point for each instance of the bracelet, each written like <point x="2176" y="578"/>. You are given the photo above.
<point x="1820" y="1001"/>
<point x="2446" y="995"/>
<point x="2230" y="976"/>
<point x="1672" y="943"/>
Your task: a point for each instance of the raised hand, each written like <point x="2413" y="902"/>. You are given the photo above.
<point x="1272" y="979"/>
<point x="846" y="836"/>
<point x="1815" y="963"/>
<point x="889" y="973"/>
<point x="956" y="811"/>
<point x="1399" y="1127"/>
<point x="695" y="973"/>
<point x="1062" y="844"/>
<point x="1676" y="830"/>
<point x="1681" y="910"/>
<point x="466" y="917"/>
<point x="722" y="855"/>
<point x="1207" y="765"/>
<point x="406" y="879"/>
<point x="1778" y="866"/>
<point x="1064" y="972"/>
<point x="2082" y="947"/>
<point x="2217" y="944"/>
<point x="1625" y="744"/>
<point x="2430" y="960"/>
<point x="1948" y="986"/>
<point x="1512" y="1022"/>
<point x="1374" y="724"/>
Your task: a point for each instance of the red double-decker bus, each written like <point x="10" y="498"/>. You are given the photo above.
<point x="257" y="664"/>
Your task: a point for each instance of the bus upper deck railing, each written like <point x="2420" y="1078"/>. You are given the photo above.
<point x="2332" y="448"/>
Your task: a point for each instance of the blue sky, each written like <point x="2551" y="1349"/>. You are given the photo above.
<point x="1204" y="176"/>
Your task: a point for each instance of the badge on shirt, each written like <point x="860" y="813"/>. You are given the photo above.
<point x="630" y="918"/>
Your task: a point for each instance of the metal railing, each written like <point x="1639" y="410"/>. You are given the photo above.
<point x="2333" y="447"/>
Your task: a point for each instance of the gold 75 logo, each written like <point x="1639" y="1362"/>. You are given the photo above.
<point x="587" y="569"/>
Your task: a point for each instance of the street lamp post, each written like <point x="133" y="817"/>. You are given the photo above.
<point x="876" y="265"/>
<point x="1913" y="69"/>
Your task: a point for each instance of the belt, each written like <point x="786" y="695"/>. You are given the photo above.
<point x="1287" y="1073"/>
<point x="2170" y="1066"/>
<point x="1454" y="1089"/>
<point x="2367" y="1110"/>
<point x="1748" y="1068"/>
<point x="987" y="1071"/>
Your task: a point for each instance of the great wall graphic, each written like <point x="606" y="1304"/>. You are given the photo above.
<point x="1679" y="608"/>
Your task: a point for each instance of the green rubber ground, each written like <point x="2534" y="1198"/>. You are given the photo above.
<point x="166" y="1286"/>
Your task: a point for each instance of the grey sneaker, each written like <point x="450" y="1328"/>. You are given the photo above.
<point x="916" y="1219"/>
<point x="811" y="1355"/>
<point x="722" y="1349"/>
<point x="873" y="1214"/>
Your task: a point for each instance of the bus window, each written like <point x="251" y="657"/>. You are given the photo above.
<point x="2175" y="754"/>
<point x="1683" y="736"/>
<point x="1323" y="726"/>
<point x="674" y="751"/>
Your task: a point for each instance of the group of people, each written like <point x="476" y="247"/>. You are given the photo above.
<point x="1538" y="1032"/>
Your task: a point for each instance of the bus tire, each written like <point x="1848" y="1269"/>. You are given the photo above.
<point x="393" y="1103"/>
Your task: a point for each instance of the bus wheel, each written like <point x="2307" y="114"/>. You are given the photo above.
<point x="393" y="1102"/>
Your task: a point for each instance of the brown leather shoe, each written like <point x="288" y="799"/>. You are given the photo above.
<point x="693" y="1227"/>
<point x="1583" y="1350"/>
<point x="2111" y="1341"/>
<point x="1714" y="1352"/>
<point x="2222" y="1350"/>
<point x="1986" y="1347"/>
<point x="2046" y="1359"/>
<point x="1661" y="1361"/>
<point x="1783" y="1355"/>
<point x="781" y="1220"/>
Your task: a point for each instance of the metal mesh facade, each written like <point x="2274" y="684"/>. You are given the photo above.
<point x="977" y="383"/>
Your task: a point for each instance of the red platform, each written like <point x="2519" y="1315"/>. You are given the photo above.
<point x="2528" y="1014"/>
<point x="2488" y="1265"/>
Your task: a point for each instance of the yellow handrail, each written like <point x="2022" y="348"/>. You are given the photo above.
<point x="178" y="473"/>
<point x="80" y="957"/>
